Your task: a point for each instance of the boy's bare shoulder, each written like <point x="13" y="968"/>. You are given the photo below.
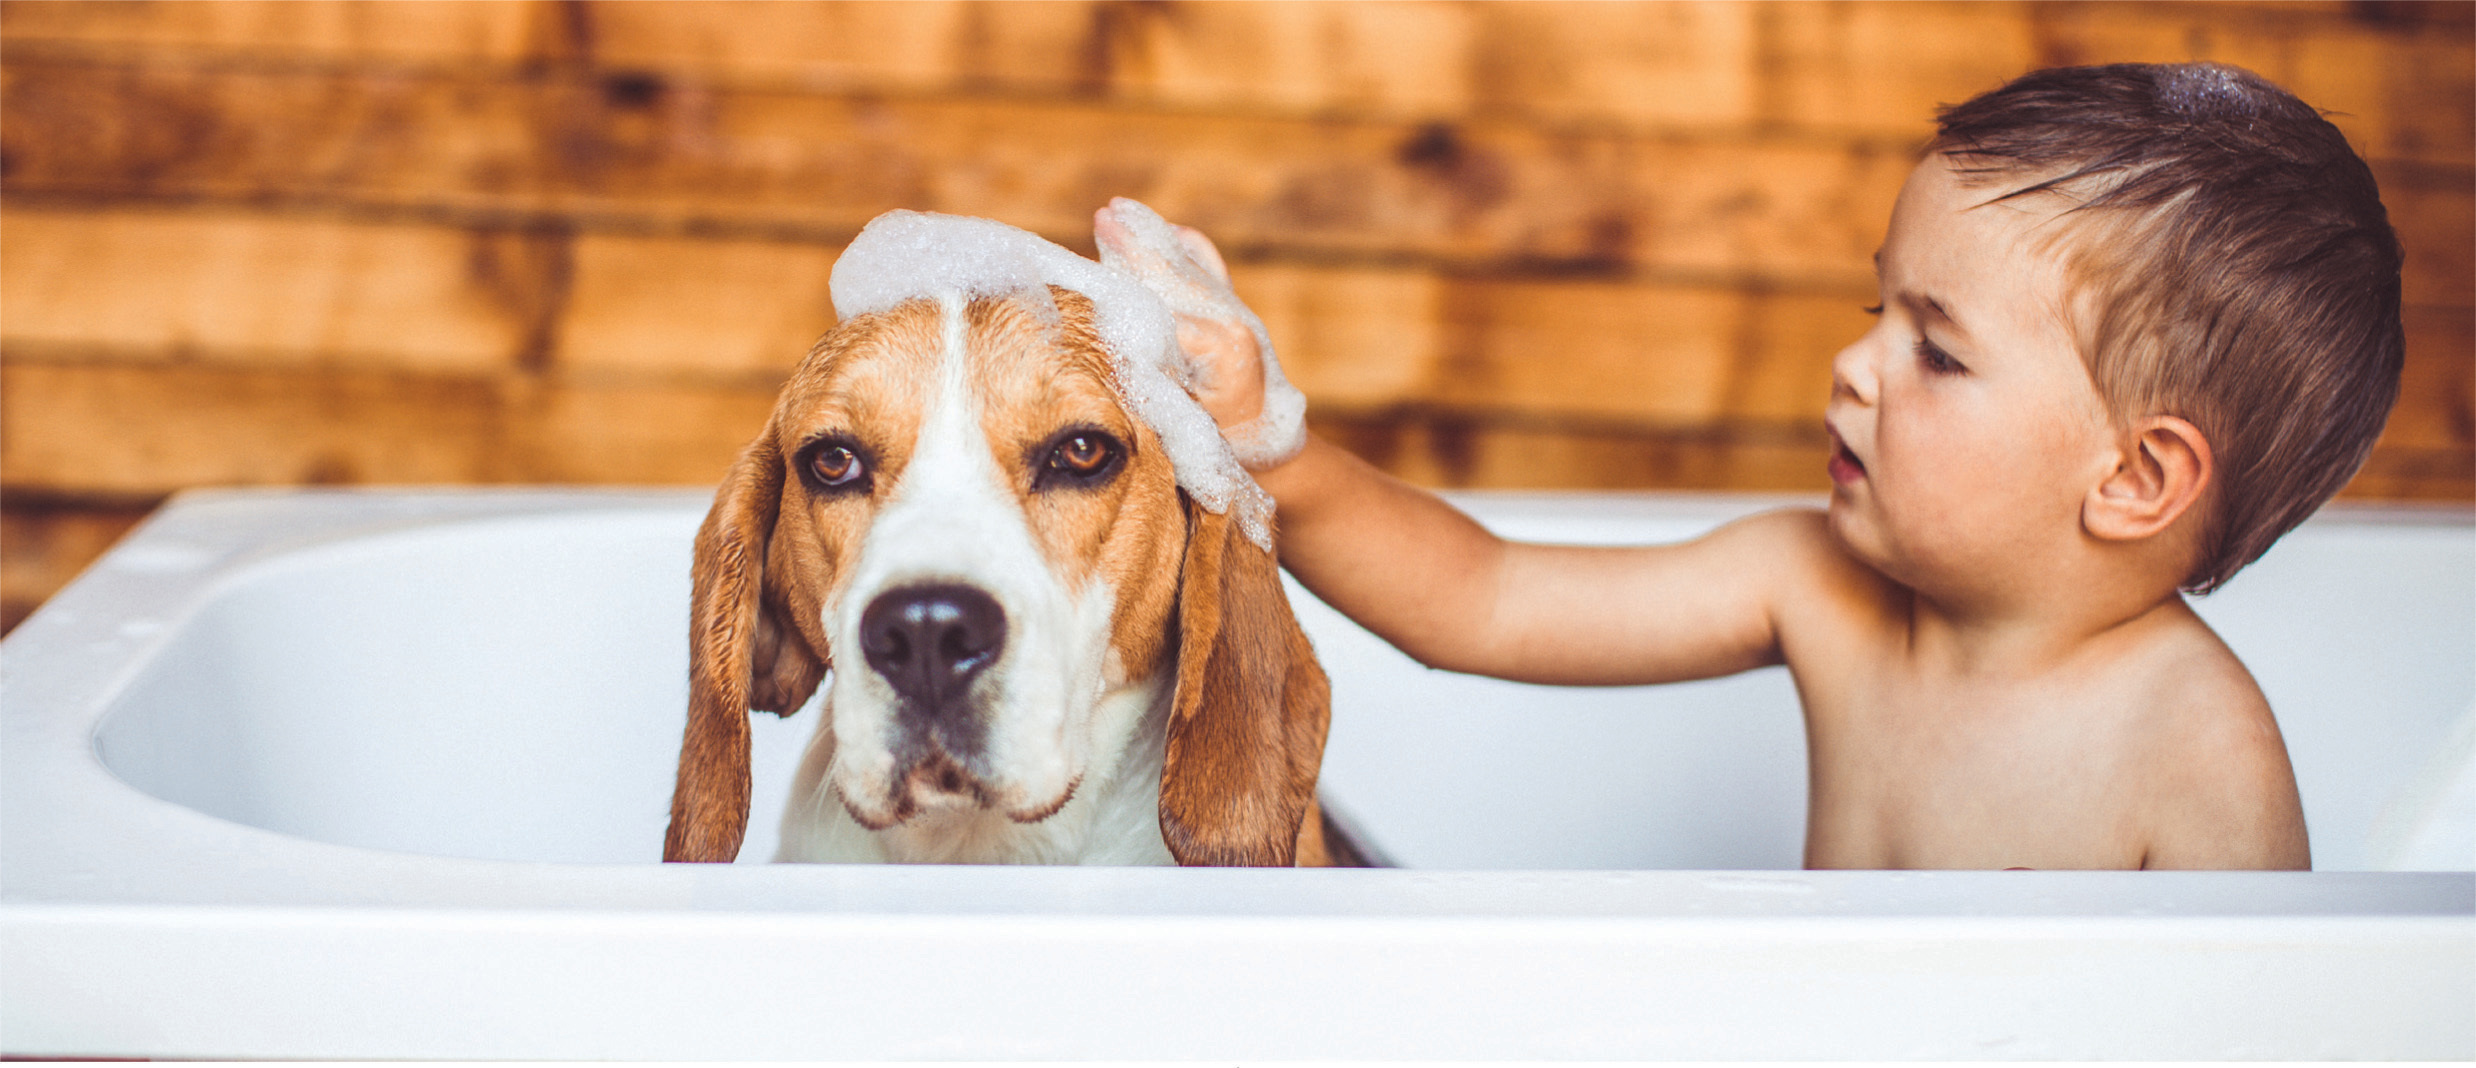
<point x="1799" y="541"/>
<point x="1812" y="575"/>
<point x="2222" y="792"/>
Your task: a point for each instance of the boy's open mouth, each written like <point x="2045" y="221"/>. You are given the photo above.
<point x="1845" y="467"/>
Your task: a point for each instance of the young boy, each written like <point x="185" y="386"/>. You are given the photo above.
<point x="2136" y="322"/>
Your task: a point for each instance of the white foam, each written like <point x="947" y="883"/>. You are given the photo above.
<point x="904" y="255"/>
<point x="1161" y="260"/>
<point x="2205" y="91"/>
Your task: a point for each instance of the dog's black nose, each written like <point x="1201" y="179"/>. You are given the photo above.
<point x="928" y="641"/>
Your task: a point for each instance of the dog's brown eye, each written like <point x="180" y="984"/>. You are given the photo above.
<point x="836" y="466"/>
<point x="1082" y="454"/>
<point x="1079" y="458"/>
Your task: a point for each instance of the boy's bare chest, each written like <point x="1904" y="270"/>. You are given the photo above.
<point x="1907" y="776"/>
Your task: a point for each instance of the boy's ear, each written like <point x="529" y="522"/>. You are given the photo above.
<point x="2164" y="469"/>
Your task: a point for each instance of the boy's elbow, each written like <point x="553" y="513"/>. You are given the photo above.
<point x="1442" y="656"/>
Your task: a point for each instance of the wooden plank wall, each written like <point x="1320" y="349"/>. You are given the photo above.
<point x="1499" y="244"/>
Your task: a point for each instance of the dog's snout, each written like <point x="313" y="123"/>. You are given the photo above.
<point x="929" y="641"/>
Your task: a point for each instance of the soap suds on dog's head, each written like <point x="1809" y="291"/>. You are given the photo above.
<point x="904" y="255"/>
<point x="1136" y="240"/>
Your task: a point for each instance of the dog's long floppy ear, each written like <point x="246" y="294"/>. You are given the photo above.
<point x="1246" y="728"/>
<point x="742" y="654"/>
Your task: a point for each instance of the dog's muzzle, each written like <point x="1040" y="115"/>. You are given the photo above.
<point x="930" y="643"/>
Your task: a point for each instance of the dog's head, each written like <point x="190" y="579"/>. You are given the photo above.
<point x="952" y="506"/>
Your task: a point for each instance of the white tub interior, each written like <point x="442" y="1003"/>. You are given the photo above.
<point x="513" y="687"/>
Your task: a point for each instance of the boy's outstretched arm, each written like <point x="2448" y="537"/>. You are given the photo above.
<point x="1435" y="584"/>
<point x="1431" y="581"/>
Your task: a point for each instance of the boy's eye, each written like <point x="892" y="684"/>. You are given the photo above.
<point x="1872" y="309"/>
<point x="1937" y="361"/>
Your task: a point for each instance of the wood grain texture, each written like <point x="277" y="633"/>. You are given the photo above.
<point x="230" y="285"/>
<point x="610" y="153"/>
<point x="455" y="31"/>
<point x="126" y="430"/>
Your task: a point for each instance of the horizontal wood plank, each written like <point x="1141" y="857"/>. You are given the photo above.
<point x="815" y="167"/>
<point x="1639" y="66"/>
<point x="2434" y="211"/>
<point x="1665" y="357"/>
<point x="2414" y="475"/>
<point x="122" y="429"/>
<point x="1885" y="67"/>
<point x="1686" y="66"/>
<point x="175" y="285"/>
<point x="931" y="46"/>
<point x="2437" y="386"/>
<point x="1356" y="337"/>
<point x="2399" y="80"/>
<point x="136" y="429"/>
<point x="2401" y="86"/>
<point x="458" y="31"/>
<point x="818" y="167"/>
<point x="1411" y="58"/>
<point x="1847" y="68"/>
<point x="1494" y="195"/>
<point x="624" y="433"/>
<point x="227" y="287"/>
<point x="675" y="306"/>
<point x="1452" y="450"/>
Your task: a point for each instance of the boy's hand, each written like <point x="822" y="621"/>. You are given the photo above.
<point x="1227" y="369"/>
<point x="1231" y="368"/>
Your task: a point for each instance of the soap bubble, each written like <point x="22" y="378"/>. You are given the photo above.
<point x="1156" y="255"/>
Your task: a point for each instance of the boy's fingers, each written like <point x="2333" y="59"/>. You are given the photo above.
<point x="1194" y="258"/>
<point x="1227" y="374"/>
<point x="1201" y="250"/>
<point x="1111" y="234"/>
<point x="1219" y="340"/>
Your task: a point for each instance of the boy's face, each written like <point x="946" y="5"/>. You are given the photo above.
<point x="1965" y="428"/>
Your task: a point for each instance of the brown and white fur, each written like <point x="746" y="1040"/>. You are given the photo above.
<point x="945" y="469"/>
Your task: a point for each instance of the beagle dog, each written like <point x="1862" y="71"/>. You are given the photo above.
<point x="1048" y="653"/>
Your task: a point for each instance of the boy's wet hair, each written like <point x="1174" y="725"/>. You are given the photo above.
<point x="2234" y="266"/>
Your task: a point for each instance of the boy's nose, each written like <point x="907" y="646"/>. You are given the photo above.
<point x="1852" y="372"/>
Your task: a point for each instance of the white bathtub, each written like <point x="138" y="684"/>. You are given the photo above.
<point x="385" y="774"/>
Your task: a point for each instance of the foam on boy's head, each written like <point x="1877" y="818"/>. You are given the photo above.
<point x="906" y="255"/>
<point x="2201" y="91"/>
